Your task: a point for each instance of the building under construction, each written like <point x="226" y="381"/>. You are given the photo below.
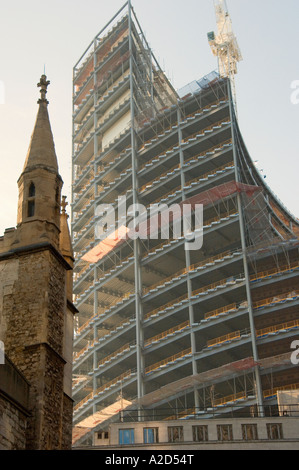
<point x="163" y="330"/>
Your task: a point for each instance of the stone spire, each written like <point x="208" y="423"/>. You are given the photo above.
<point x="40" y="183"/>
<point x="41" y="152"/>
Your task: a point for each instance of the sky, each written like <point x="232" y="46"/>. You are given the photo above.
<point x="51" y="36"/>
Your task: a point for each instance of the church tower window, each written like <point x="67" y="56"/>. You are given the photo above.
<point x="31" y="200"/>
<point x="32" y="190"/>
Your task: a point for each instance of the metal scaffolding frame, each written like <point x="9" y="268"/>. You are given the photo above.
<point x="151" y="312"/>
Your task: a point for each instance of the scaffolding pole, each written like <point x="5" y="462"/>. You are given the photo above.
<point x="137" y="270"/>
<point x="188" y="262"/>
<point x="245" y="262"/>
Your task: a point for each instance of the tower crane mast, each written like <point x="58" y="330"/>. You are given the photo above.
<point x="224" y="45"/>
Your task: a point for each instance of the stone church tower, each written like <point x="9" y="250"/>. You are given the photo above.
<point x="36" y="309"/>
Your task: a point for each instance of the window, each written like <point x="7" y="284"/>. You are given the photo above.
<point x="126" y="436"/>
<point x="200" y="433"/>
<point x="32" y="190"/>
<point x="225" y="432"/>
<point x="274" y="431"/>
<point x="175" y="434"/>
<point x="150" y="435"/>
<point x="31" y="208"/>
<point x="249" y="432"/>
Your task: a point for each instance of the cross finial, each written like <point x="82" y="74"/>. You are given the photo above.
<point x="43" y="85"/>
<point x="63" y="204"/>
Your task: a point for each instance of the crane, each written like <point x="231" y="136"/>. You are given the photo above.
<point x="224" y="45"/>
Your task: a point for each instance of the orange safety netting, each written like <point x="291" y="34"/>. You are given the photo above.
<point x="107" y="245"/>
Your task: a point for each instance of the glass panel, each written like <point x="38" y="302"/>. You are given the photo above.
<point x="150" y="435"/>
<point x="126" y="436"/>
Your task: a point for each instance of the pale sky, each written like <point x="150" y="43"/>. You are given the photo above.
<point x="56" y="33"/>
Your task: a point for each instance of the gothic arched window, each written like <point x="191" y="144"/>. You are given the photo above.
<point x="32" y="190"/>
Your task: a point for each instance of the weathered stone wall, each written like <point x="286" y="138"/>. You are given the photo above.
<point x="14" y="394"/>
<point x="57" y="304"/>
<point x="33" y="306"/>
<point x="46" y="399"/>
<point x="34" y="312"/>
<point x="12" y="426"/>
<point x="9" y="272"/>
<point x="66" y="442"/>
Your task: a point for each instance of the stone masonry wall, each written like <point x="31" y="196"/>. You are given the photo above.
<point x="9" y="272"/>
<point x="14" y="394"/>
<point x="46" y="399"/>
<point x="67" y="418"/>
<point x="12" y="426"/>
<point x="34" y="313"/>
<point x="33" y="309"/>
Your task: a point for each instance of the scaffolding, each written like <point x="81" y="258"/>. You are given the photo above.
<point x="152" y="315"/>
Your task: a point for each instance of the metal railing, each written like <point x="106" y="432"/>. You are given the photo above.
<point x="226" y="410"/>
<point x="277" y="270"/>
<point x="167" y="361"/>
<point x="198" y="112"/>
<point x="104" y="387"/>
<point x="204" y="289"/>
<point x="176" y="329"/>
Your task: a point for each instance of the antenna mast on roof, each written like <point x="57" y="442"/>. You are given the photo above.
<point x="224" y="45"/>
